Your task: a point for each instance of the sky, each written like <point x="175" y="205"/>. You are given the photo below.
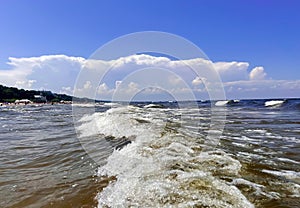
<point x="253" y="45"/>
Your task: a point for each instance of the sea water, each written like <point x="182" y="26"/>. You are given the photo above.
<point x="151" y="155"/>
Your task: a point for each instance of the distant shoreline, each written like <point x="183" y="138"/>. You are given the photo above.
<point x="9" y="95"/>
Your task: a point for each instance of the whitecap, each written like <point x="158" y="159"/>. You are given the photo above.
<point x="288" y="174"/>
<point x="221" y="102"/>
<point x="274" y="103"/>
<point x="153" y="106"/>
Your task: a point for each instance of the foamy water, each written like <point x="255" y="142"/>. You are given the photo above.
<point x="274" y="103"/>
<point x="168" y="163"/>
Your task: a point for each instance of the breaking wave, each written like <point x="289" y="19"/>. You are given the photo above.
<point x="226" y="102"/>
<point x="158" y="164"/>
<point x="273" y="103"/>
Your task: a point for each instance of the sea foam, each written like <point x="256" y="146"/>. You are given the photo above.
<point x="161" y="167"/>
<point x="273" y="103"/>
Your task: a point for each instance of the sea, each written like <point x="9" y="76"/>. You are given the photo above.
<point x="218" y="154"/>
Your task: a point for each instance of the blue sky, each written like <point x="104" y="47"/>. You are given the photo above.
<point x="261" y="33"/>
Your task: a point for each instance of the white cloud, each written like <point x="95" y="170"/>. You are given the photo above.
<point x="87" y="85"/>
<point x="132" y="88"/>
<point x="48" y="72"/>
<point x="141" y="59"/>
<point x="231" y="71"/>
<point x="198" y="81"/>
<point x="59" y="73"/>
<point x="103" y="89"/>
<point x="258" y="73"/>
<point x="117" y="83"/>
<point x="25" y="83"/>
<point x="66" y="90"/>
<point x="174" y="80"/>
<point x="153" y="90"/>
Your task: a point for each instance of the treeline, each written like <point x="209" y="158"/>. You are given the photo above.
<point x="11" y="94"/>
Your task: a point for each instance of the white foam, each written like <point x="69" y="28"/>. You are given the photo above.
<point x="288" y="160"/>
<point x="285" y="138"/>
<point x="87" y="105"/>
<point x="152" y="106"/>
<point x="116" y="122"/>
<point x="249" y="155"/>
<point x="162" y="181"/>
<point x="245" y="182"/>
<point x="166" y="171"/>
<point x="221" y="102"/>
<point x="248" y="139"/>
<point x="258" y="189"/>
<point x="240" y="144"/>
<point x="161" y="167"/>
<point x="273" y="103"/>
<point x="294" y="189"/>
<point x="225" y="102"/>
<point x="259" y="131"/>
<point x="112" y="104"/>
<point x="288" y="174"/>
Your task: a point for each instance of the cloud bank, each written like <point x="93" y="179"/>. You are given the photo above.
<point x="59" y="73"/>
<point x="51" y="72"/>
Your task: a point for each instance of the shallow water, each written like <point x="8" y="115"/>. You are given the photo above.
<point x="150" y="156"/>
<point x="42" y="162"/>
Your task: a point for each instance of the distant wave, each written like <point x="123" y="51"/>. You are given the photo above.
<point x="153" y="106"/>
<point x="226" y="102"/>
<point x="221" y="102"/>
<point x="111" y="104"/>
<point x="87" y="105"/>
<point x="274" y="103"/>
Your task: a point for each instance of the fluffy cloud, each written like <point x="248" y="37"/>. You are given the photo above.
<point x="87" y="85"/>
<point x="104" y="89"/>
<point x="51" y="72"/>
<point x="117" y="83"/>
<point x="66" y="90"/>
<point x="232" y="71"/>
<point x="258" y="73"/>
<point x="25" y="83"/>
<point x="59" y="74"/>
<point x="141" y="59"/>
<point x="198" y="81"/>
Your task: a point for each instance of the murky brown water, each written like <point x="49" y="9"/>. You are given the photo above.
<point x="42" y="163"/>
